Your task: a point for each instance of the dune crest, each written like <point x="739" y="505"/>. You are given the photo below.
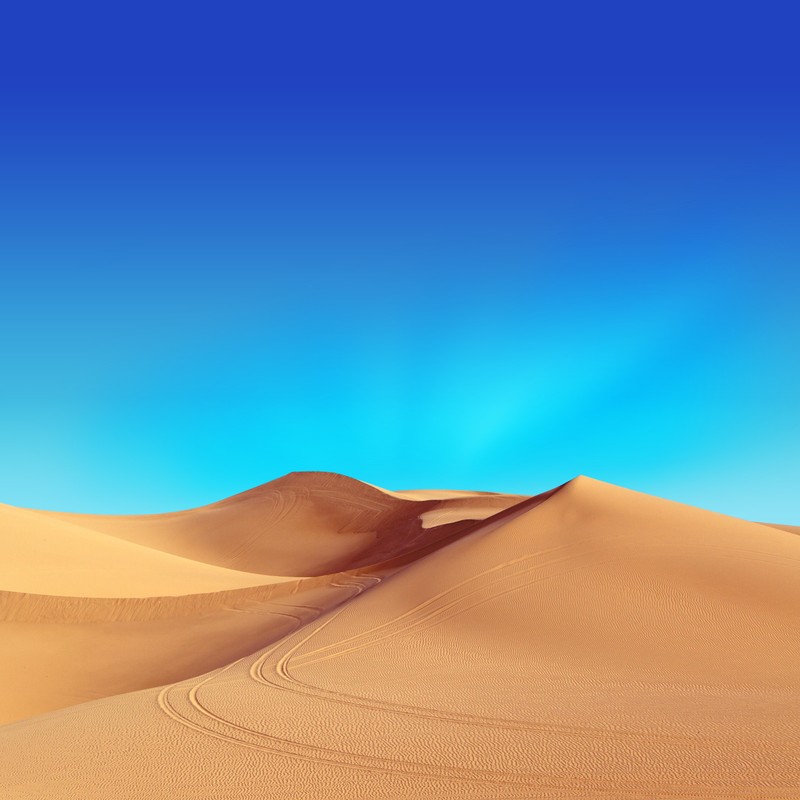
<point x="587" y="642"/>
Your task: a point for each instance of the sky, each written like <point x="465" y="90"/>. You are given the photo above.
<point x="482" y="246"/>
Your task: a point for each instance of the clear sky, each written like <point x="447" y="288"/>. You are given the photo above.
<point x="426" y="246"/>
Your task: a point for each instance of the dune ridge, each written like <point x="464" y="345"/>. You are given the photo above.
<point x="586" y="642"/>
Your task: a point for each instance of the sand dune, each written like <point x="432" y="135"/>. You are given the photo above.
<point x="305" y="523"/>
<point x="588" y="642"/>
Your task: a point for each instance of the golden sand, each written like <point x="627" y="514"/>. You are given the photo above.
<point x="318" y="637"/>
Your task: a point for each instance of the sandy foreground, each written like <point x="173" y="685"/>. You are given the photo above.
<point x="318" y="637"/>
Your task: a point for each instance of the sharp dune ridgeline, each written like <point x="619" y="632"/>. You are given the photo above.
<point x="318" y="637"/>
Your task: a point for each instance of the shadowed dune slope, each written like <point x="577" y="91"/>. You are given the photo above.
<point x="305" y="523"/>
<point x="593" y="642"/>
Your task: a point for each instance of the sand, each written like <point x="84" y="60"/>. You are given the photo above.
<point x="318" y="637"/>
<point x="790" y="528"/>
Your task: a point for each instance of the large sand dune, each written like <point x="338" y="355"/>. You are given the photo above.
<point x="321" y="638"/>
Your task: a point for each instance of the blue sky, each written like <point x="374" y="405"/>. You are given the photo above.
<point x="474" y="248"/>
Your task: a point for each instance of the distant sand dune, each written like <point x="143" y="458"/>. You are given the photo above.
<point x="590" y="642"/>
<point x="306" y="523"/>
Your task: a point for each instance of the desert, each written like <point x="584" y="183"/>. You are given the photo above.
<point x="320" y="637"/>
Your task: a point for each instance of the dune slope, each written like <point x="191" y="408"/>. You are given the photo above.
<point x="591" y="642"/>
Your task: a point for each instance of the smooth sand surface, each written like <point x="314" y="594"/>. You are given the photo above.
<point x="591" y="642"/>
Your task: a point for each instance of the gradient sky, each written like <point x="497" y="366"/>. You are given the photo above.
<point x="478" y="247"/>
